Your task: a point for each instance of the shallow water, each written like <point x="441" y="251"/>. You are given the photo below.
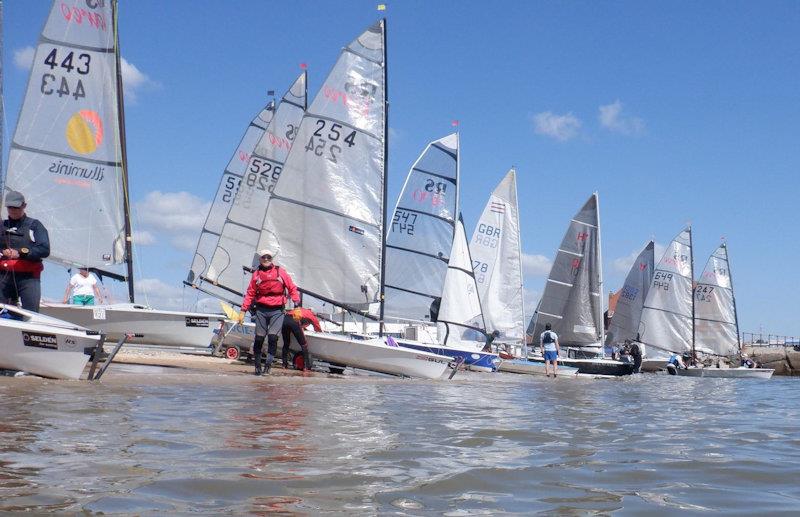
<point x="154" y="441"/>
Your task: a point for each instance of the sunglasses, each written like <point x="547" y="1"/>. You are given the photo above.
<point x="266" y="257"/>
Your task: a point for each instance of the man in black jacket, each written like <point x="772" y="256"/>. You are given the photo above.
<point x="25" y="244"/>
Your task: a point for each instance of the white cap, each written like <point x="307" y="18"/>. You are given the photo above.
<point x="265" y="251"/>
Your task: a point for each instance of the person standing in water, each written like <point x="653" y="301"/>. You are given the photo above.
<point x="266" y="293"/>
<point x="550" y="349"/>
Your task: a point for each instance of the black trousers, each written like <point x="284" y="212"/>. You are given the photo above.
<point x="20" y="286"/>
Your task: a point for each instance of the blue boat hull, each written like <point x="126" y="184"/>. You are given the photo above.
<point x="478" y="361"/>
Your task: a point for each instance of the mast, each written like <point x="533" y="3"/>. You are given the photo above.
<point x="2" y="112"/>
<point x="519" y="257"/>
<point x="600" y="265"/>
<point x="691" y="264"/>
<point x="733" y="297"/>
<point x="385" y="177"/>
<point x="123" y="149"/>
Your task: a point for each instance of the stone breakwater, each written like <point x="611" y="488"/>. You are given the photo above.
<point x="784" y="359"/>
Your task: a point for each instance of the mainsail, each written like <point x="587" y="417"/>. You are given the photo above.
<point x="421" y="234"/>
<point x="716" y="325"/>
<point x="572" y="301"/>
<point x="230" y="234"/>
<point x="625" y="321"/>
<point x="460" y="319"/>
<point x="666" y="323"/>
<point x="67" y="154"/>
<point x="497" y="261"/>
<point x="325" y="219"/>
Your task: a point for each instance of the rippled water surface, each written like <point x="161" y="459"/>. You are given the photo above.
<point x="152" y="443"/>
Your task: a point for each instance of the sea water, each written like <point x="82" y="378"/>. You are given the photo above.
<point x="155" y="441"/>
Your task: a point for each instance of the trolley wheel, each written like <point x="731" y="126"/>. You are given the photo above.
<point x="232" y="353"/>
<point x="298" y="361"/>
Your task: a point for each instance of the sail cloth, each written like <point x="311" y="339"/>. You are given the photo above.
<point x="572" y="302"/>
<point x="716" y="330"/>
<point x="666" y="323"/>
<point x="460" y="323"/>
<point x="497" y="261"/>
<point x="230" y="235"/>
<point x="625" y="321"/>
<point x="325" y="218"/>
<point x="421" y="233"/>
<point x="66" y="155"/>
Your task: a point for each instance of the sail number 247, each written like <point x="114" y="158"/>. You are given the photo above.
<point x="328" y="138"/>
<point x="58" y="84"/>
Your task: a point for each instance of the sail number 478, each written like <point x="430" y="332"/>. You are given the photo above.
<point x="50" y="82"/>
<point x="330" y="139"/>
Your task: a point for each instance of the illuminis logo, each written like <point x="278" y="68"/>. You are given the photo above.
<point x="39" y="340"/>
<point x="84" y="132"/>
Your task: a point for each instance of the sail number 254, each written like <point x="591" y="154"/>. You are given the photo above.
<point x="59" y="84"/>
<point x="326" y="139"/>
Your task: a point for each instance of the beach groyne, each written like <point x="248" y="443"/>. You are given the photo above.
<point x="784" y="359"/>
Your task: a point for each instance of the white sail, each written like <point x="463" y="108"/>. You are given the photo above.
<point x="325" y="218"/>
<point x="460" y="321"/>
<point x="715" y="322"/>
<point x="421" y="234"/>
<point x="66" y="154"/>
<point x="230" y="235"/>
<point x="666" y="323"/>
<point x="572" y="300"/>
<point x="625" y="321"/>
<point x="497" y="262"/>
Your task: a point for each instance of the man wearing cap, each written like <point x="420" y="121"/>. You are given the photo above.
<point x="25" y="244"/>
<point x="266" y="293"/>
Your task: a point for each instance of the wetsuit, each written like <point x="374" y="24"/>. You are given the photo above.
<point x="20" y="278"/>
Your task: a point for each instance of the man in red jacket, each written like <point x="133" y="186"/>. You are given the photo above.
<point x="267" y="295"/>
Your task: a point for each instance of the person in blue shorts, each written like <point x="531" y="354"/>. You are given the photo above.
<point x="550" y="349"/>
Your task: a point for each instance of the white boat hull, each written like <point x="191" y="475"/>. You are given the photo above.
<point x="44" y="346"/>
<point x="727" y="373"/>
<point x="150" y="326"/>
<point x="532" y="367"/>
<point x="367" y="354"/>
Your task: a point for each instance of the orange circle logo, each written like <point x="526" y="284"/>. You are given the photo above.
<point x="84" y="132"/>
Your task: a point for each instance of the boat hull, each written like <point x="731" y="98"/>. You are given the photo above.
<point x="44" y="346"/>
<point x="599" y="366"/>
<point x="532" y="367"/>
<point x="478" y="361"/>
<point x="342" y="350"/>
<point x="150" y="326"/>
<point x="727" y="373"/>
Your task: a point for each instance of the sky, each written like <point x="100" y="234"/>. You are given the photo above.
<point x="675" y="112"/>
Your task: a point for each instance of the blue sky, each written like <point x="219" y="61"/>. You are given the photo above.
<point x="675" y="112"/>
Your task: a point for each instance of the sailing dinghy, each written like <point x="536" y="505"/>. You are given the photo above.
<point x="420" y="247"/>
<point x="326" y="216"/>
<point x="68" y="158"/>
<point x="716" y="323"/>
<point x="572" y="298"/>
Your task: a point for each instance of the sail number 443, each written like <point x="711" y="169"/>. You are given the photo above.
<point x="328" y="138"/>
<point x="59" y="85"/>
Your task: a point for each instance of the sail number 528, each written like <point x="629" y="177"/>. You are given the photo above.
<point x="326" y="139"/>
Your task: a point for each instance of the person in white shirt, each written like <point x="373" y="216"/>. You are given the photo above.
<point x="84" y="288"/>
<point x="550" y="349"/>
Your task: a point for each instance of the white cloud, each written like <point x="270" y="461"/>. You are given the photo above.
<point x="143" y="238"/>
<point x="23" y="57"/>
<point x="531" y="300"/>
<point x="134" y="80"/>
<point x="560" y="127"/>
<point x="612" y="118"/>
<point x="172" y="212"/>
<point x="157" y="293"/>
<point x="535" y="265"/>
